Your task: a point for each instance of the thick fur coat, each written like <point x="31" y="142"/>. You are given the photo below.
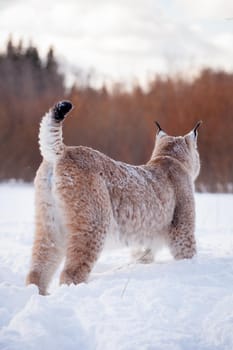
<point x="83" y="197"/>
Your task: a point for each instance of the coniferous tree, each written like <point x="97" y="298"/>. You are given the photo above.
<point x="27" y="88"/>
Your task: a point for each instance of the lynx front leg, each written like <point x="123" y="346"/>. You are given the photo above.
<point x="143" y="256"/>
<point x="181" y="239"/>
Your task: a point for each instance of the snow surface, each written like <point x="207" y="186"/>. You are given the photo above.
<point x="168" y="305"/>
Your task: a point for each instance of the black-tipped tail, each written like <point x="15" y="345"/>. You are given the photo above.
<point x="61" y="109"/>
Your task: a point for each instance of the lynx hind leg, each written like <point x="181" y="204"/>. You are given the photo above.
<point x="142" y="256"/>
<point x="84" y="246"/>
<point x="47" y="250"/>
<point x="87" y="225"/>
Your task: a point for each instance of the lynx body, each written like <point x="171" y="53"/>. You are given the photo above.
<point x="83" y="197"/>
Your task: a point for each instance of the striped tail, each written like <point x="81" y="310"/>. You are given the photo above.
<point x="50" y="135"/>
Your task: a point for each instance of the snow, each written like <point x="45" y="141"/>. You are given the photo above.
<point x="167" y="305"/>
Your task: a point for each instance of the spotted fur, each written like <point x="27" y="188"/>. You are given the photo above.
<point x="83" y="198"/>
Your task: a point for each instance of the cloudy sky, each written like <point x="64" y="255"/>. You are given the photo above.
<point x="125" y="39"/>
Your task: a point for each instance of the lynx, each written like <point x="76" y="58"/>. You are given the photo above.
<point x="83" y="197"/>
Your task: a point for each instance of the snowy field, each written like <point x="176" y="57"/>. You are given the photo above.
<point x="168" y="305"/>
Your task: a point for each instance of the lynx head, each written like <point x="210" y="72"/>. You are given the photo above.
<point x="182" y="148"/>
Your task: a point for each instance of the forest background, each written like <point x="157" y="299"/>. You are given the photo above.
<point x="115" y="120"/>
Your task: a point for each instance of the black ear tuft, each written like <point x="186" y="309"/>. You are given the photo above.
<point x="160" y="131"/>
<point x="61" y="109"/>
<point x="158" y="126"/>
<point x="196" y="127"/>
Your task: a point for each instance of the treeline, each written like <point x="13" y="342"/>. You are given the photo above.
<point x="117" y="122"/>
<point x="28" y="86"/>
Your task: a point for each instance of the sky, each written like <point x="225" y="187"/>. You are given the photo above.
<point x="125" y="40"/>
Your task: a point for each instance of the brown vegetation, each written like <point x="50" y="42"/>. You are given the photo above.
<point x="119" y="123"/>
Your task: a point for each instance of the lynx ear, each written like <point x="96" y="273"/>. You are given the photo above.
<point x="193" y="133"/>
<point x="160" y="131"/>
<point x="196" y="127"/>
